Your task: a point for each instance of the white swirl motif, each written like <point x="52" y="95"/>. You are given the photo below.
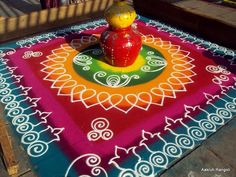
<point x="30" y="54"/>
<point x="4" y="92"/>
<point x="3" y="85"/>
<point x="84" y="58"/>
<point x="172" y="150"/>
<point x="213" y="69"/>
<point x="93" y="161"/>
<point x="154" y="63"/>
<point x="6" y="51"/>
<point x="144" y="168"/>
<point x="20" y="119"/>
<point x="113" y="81"/>
<point x="230" y="106"/>
<point x="37" y="149"/>
<point x="9" y="94"/>
<point x="12" y="105"/>
<point x="30" y="137"/>
<point x="217" y="70"/>
<point x="197" y="133"/>
<point x="234" y="100"/>
<point x="158" y="159"/>
<point x="224" y="113"/>
<point x="216" y="119"/>
<point x="24" y="128"/>
<point x="100" y="130"/>
<point x="219" y="80"/>
<point x="128" y="173"/>
<point x="2" y="80"/>
<point x="8" y="98"/>
<point x="15" y="112"/>
<point x="184" y="141"/>
<point x="207" y="125"/>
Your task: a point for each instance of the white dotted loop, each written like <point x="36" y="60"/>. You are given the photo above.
<point x="30" y="54"/>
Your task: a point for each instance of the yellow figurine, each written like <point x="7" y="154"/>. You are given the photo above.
<point x="120" y="15"/>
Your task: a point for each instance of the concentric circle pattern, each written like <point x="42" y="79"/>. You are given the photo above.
<point x="91" y="65"/>
<point x="78" y="70"/>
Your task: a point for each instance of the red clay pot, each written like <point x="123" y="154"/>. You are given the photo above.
<point x="120" y="46"/>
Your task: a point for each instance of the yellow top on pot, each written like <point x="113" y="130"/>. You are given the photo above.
<point x="120" y="15"/>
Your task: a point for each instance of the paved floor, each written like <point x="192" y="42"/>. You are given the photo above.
<point x="214" y="158"/>
<point x="215" y="11"/>
<point x="10" y="8"/>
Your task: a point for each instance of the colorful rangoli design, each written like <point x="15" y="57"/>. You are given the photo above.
<point x="69" y="106"/>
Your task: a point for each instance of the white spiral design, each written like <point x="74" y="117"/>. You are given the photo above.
<point x="12" y="105"/>
<point x="101" y="74"/>
<point x="150" y="53"/>
<point x="37" y="54"/>
<point x="83" y="60"/>
<point x="3" y="86"/>
<point x="2" y="80"/>
<point x="158" y="159"/>
<point x="20" y="119"/>
<point x="224" y="113"/>
<point x="100" y="130"/>
<point x="37" y="149"/>
<point x="6" y="51"/>
<point x="15" y="112"/>
<point x="86" y="68"/>
<point x="100" y="124"/>
<point x="197" y="133"/>
<point x="107" y="134"/>
<point x="30" y="137"/>
<point x="8" y="98"/>
<point x="93" y="135"/>
<point x="5" y="92"/>
<point x="213" y="69"/>
<point x="127" y="173"/>
<point x="172" y="150"/>
<point x="230" y="106"/>
<point x="24" y="128"/>
<point x="96" y="171"/>
<point x="224" y="77"/>
<point x="143" y="168"/>
<point x="218" y="80"/>
<point x="113" y="80"/>
<point x="226" y="72"/>
<point x="156" y="62"/>
<point x="184" y="141"/>
<point x="216" y="119"/>
<point x="145" y="68"/>
<point x="207" y="125"/>
<point x="27" y="54"/>
<point x="234" y="100"/>
<point x="93" y="160"/>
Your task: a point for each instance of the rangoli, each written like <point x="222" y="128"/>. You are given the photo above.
<point x="72" y="109"/>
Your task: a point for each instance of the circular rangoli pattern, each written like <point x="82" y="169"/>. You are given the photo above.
<point x="91" y="65"/>
<point x="77" y="70"/>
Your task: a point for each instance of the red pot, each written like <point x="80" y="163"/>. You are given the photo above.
<point x="120" y="46"/>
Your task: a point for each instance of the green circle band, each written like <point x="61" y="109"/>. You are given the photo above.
<point x="90" y="64"/>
